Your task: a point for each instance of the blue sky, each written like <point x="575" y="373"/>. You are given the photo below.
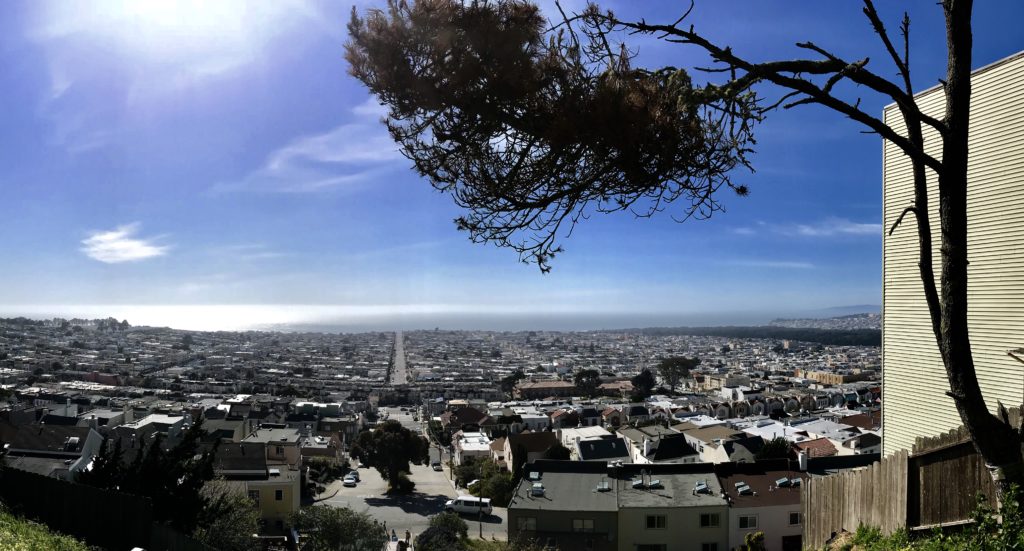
<point x="193" y="153"/>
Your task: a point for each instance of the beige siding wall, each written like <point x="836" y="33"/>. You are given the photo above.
<point x="914" y="381"/>
<point x="682" y="528"/>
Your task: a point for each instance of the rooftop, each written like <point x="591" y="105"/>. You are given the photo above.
<point x="674" y="489"/>
<point x="767" y="487"/>
<point x="265" y="435"/>
<point x="576" y="491"/>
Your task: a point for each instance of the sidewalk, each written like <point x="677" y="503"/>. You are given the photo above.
<point x="328" y="493"/>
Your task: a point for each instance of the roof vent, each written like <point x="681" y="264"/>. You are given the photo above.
<point x="655" y="484"/>
<point x="603" y="486"/>
<point x="745" y="490"/>
<point x="782" y="482"/>
<point x="702" y="488"/>
<point x="638" y="484"/>
<point x="537" y="489"/>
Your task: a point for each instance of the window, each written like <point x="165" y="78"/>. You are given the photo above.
<point x="527" y="524"/>
<point x="708" y="520"/>
<point x="582" y="525"/>
<point x="278" y="495"/>
<point x="254" y="495"/>
<point x="748" y="521"/>
<point x="655" y="522"/>
<point x="280" y="450"/>
<point x="794" y="519"/>
<point x="709" y="547"/>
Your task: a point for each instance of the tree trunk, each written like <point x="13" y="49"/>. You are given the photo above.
<point x="994" y="438"/>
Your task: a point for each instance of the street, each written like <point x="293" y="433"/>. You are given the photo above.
<point x="411" y="512"/>
<point x="398" y="373"/>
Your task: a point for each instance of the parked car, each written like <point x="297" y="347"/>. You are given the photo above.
<point x="473" y="482"/>
<point x="436" y="465"/>
<point x="354" y="474"/>
<point x="349" y="481"/>
<point x="466" y="505"/>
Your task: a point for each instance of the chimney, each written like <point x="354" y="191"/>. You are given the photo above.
<point x="801" y="459"/>
<point x="647" y="446"/>
<point x="93" y="423"/>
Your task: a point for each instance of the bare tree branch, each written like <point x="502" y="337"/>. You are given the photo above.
<point x="899" y="220"/>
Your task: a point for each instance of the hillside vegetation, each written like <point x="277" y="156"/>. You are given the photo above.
<point x="19" y="534"/>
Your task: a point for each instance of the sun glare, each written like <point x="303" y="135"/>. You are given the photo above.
<point x="187" y="32"/>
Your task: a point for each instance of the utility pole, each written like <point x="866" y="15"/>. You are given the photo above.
<point x="480" y="509"/>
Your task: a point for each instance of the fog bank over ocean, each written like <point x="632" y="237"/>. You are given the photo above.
<point x="351" y="319"/>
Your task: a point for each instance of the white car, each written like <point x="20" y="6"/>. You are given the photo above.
<point x="353" y="474"/>
<point x="468" y="505"/>
<point x="349" y="481"/>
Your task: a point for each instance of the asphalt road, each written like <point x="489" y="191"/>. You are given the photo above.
<point x="411" y="512"/>
<point x="398" y="372"/>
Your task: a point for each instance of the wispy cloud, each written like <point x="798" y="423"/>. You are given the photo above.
<point x="247" y="251"/>
<point x="838" y="226"/>
<point x="120" y="245"/>
<point x="106" y="58"/>
<point x="828" y="227"/>
<point x="778" y="264"/>
<point x="347" y="154"/>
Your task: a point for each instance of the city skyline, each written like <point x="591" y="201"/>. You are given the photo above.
<point x="236" y="171"/>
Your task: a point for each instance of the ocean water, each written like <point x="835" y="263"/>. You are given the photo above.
<point x="333" y="318"/>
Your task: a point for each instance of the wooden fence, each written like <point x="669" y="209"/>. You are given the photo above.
<point x="874" y="496"/>
<point x="103" y="518"/>
<point x="937" y="484"/>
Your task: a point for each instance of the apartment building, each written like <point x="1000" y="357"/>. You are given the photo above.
<point x="763" y="500"/>
<point x="571" y="506"/>
<point x="913" y="377"/>
<point x="660" y="509"/>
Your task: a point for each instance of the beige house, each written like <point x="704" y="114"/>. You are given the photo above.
<point x="275" y="488"/>
<point x="661" y="511"/>
<point x="535" y="444"/>
<point x="910" y="356"/>
<point x="766" y="501"/>
<point x="283" y="445"/>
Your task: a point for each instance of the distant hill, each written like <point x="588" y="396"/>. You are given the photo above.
<point x="837" y="337"/>
<point x="836" y="311"/>
<point x="847" y="322"/>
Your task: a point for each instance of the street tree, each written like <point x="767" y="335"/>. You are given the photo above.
<point x="508" y="383"/>
<point x="326" y="528"/>
<point x="587" y="381"/>
<point x="776" y="448"/>
<point x="673" y="370"/>
<point x="390" y="448"/>
<point x="643" y="384"/>
<point x="174" y="476"/>
<point x="230" y="520"/>
<point x="529" y="125"/>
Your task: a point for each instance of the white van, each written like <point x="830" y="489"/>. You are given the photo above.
<point x="468" y="505"/>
